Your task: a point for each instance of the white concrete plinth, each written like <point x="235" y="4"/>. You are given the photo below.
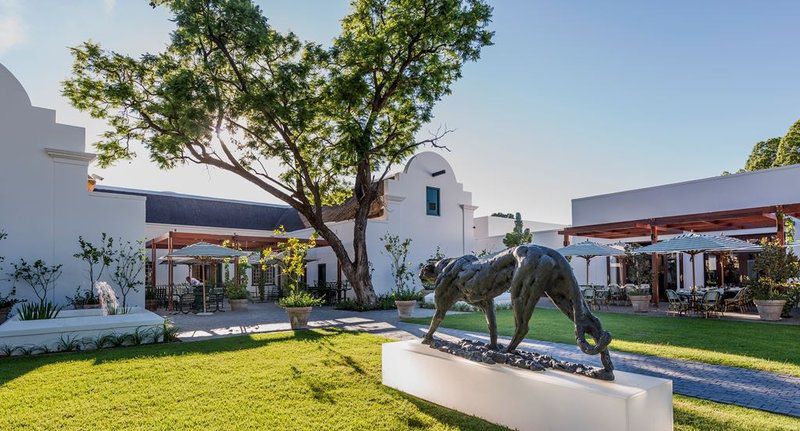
<point x="528" y="400"/>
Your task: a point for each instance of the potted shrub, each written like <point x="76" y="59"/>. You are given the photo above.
<point x="405" y="297"/>
<point x="769" y="297"/>
<point x="640" y="300"/>
<point x="298" y="305"/>
<point x="639" y="268"/>
<point x="237" y="295"/>
<point x="406" y="301"/>
<point x="775" y="265"/>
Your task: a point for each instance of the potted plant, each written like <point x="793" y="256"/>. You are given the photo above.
<point x="237" y="295"/>
<point x="640" y="300"/>
<point x="406" y="301"/>
<point x="298" y="305"/>
<point x="639" y="269"/>
<point x="291" y="254"/>
<point x="405" y="297"/>
<point x="150" y="300"/>
<point x="775" y="265"/>
<point x="769" y="297"/>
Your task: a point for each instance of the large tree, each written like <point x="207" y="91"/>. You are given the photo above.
<point x="763" y="155"/>
<point x="789" y="148"/>
<point x="310" y="125"/>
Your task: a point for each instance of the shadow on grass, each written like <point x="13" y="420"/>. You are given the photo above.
<point x="445" y="416"/>
<point x="13" y="368"/>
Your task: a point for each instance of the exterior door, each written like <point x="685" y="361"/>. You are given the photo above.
<point x="321" y="274"/>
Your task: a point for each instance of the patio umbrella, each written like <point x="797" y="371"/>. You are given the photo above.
<point x="694" y="243"/>
<point x="587" y="250"/>
<point x="203" y="252"/>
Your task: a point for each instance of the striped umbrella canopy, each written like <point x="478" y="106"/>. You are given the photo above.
<point x="203" y="252"/>
<point x="587" y="250"/>
<point x="698" y="243"/>
<point x="694" y="243"/>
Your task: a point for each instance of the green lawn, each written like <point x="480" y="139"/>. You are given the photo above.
<point x="753" y="345"/>
<point x="314" y="380"/>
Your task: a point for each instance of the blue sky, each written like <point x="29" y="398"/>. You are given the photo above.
<point x="575" y="98"/>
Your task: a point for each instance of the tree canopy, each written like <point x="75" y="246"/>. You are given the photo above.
<point x="519" y="235"/>
<point x="309" y="124"/>
<point x="789" y="147"/>
<point x="763" y="155"/>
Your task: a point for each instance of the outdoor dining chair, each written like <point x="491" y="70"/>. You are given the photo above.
<point x="590" y="297"/>
<point x="615" y="295"/>
<point x="709" y="304"/>
<point x="677" y="304"/>
<point x="739" y="301"/>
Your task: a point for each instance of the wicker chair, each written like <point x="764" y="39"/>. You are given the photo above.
<point x="590" y="297"/>
<point x="739" y="302"/>
<point x="709" y="305"/>
<point x="615" y="294"/>
<point x="676" y="303"/>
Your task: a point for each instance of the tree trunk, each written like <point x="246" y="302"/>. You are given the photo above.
<point x="356" y="270"/>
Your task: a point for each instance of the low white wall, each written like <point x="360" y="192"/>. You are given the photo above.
<point x="84" y="326"/>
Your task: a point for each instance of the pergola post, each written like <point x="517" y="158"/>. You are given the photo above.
<point x="170" y="271"/>
<point x="654" y="265"/>
<point x="780" y="227"/>
<point x="566" y="240"/>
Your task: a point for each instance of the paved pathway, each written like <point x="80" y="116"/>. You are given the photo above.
<point x="748" y="388"/>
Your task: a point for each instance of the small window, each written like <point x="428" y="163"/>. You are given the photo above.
<point x="432" y="198"/>
<point x="268" y="274"/>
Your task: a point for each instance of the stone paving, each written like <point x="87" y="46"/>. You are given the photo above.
<point x="748" y="388"/>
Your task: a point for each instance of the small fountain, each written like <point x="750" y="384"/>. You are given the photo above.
<point x="108" y="299"/>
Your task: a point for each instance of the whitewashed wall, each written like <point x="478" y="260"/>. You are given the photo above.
<point x="406" y="217"/>
<point x="489" y="232"/>
<point x="44" y="202"/>
<point x="746" y="190"/>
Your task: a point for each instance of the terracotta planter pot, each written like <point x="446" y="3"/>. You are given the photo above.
<point x="770" y="309"/>
<point x="298" y="316"/>
<point x="151" y="304"/>
<point x="405" y="308"/>
<point x="238" y="304"/>
<point x="640" y="303"/>
<point x="4" y="312"/>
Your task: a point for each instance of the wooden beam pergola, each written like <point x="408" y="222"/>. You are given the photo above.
<point x="176" y="240"/>
<point x="771" y="216"/>
<point x="738" y="219"/>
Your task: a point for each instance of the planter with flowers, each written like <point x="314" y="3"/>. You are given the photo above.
<point x="237" y="295"/>
<point x="298" y="304"/>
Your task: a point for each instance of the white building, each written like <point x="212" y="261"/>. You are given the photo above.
<point x="489" y="232"/>
<point x="45" y="204"/>
<point x="748" y="205"/>
<point x="424" y="202"/>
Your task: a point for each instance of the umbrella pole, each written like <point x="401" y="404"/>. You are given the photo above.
<point x="205" y="305"/>
<point x="694" y="271"/>
<point x="587" y="269"/>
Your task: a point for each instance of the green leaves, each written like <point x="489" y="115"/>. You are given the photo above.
<point x="763" y="155"/>
<point x="518" y="235"/>
<point x="789" y="148"/>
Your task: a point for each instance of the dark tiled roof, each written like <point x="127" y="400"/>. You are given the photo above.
<point x="172" y="208"/>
